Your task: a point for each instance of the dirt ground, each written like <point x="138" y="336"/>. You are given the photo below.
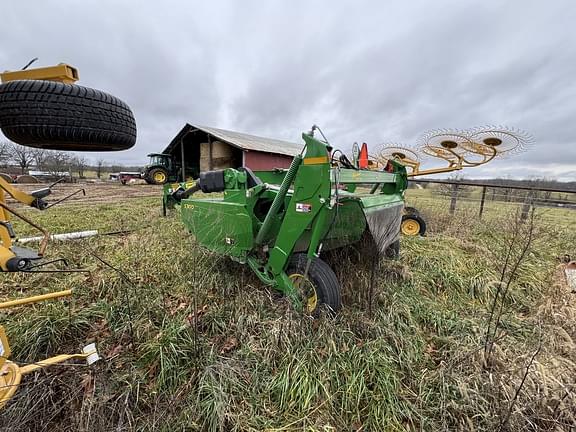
<point x="97" y="193"/>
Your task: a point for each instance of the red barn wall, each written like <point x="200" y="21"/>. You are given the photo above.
<point x="260" y="161"/>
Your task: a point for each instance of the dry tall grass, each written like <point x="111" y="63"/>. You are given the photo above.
<point x="195" y="342"/>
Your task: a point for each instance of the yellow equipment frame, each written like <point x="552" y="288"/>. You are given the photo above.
<point x="61" y="73"/>
<point x="5" y="211"/>
<point x="456" y="161"/>
<point x="10" y="373"/>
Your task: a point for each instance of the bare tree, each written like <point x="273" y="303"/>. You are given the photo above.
<point x="21" y="156"/>
<point x="99" y="166"/>
<point x="79" y="164"/>
<point x="454" y="191"/>
<point x="4" y="154"/>
<point x="517" y="244"/>
<point x="57" y="163"/>
<point x="40" y="157"/>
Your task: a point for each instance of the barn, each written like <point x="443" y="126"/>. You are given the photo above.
<point x="203" y="148"/>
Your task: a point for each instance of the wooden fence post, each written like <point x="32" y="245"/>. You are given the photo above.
<point x="526" y="206"/>
<point x="453" y="198"/>
<point x="482" y="202"/>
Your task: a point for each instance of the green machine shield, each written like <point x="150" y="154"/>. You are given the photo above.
<point x="223" y="227"/>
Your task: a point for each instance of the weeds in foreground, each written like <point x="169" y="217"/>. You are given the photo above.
<point x="191" y="341"/>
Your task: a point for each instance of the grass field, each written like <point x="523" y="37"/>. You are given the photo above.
<point x="470" y="204"/>
<point x="192" y="341"/>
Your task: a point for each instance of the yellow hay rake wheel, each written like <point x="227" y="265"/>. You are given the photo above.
<point x="10" y="378"/>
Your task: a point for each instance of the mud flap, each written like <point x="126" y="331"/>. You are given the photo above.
<point x="384" y="224"/>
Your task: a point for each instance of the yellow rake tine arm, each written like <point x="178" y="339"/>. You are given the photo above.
<point x="24" y="370"/>
<point x="34" y="299"/>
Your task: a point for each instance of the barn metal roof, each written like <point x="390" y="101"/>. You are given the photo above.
<point x="241" y="140"/>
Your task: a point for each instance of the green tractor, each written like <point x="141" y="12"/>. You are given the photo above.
<point x="164" y="168"/>
<point x="160" y="169"/>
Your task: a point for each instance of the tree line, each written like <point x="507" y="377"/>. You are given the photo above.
<point x="53" y="162"/>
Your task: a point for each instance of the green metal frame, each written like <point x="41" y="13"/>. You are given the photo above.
<point x="314" y="206"/>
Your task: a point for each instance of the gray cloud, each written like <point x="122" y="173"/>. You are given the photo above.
<point x="370" y="71"/>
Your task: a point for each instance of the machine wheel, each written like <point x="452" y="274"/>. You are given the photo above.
<point x="320" y="289"/>
<point x="16" y="264"/>
<point x="413" y="225"/>
<point x="158" y="176"/>
<point x="57" y="116"/>
<point x="411" y="211"/>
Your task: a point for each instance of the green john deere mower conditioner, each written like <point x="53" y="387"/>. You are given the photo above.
<point x="278" y="222"/>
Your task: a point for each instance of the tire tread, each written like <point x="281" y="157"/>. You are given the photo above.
<point x="53" y="115"/>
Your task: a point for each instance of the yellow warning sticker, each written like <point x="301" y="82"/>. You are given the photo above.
<point x="316" y="160"/>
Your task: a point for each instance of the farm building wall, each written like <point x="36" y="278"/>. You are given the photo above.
<point x="260" y="161"/>
<point x="204" y="148"/>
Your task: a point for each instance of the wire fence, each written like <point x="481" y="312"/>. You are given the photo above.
<point x="96" y="193"/>
<point x="484" y="195"/>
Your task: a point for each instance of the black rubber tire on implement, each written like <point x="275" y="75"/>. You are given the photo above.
<point x="57" y="116"/>
<point x="324" y="280"/>
<point x="417" y="218"/>
<point x="411" y="211"/>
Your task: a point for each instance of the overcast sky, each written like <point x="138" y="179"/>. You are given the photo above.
<point x="373" y="71"/>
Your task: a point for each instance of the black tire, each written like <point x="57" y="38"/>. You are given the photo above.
<point x="411" y="211"/>
<point x="57" y="116"/>
<point x="419" y="220"/>
<point x="323" y="279"/>
<point x="147" y="179"/>
<point x="153" y="173"/>
<point x="17" y="264"/>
